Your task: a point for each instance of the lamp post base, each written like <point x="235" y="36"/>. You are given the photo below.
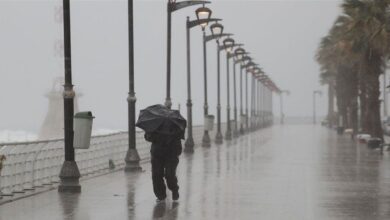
<point x="189" y="145"/>
<point x="206" y="142"/>
<point x="242" y="131"/>
<point x="236" y="133"/>
<point x="69" y="177"/>
<point x="228" y="135"/>
<point x="219" y="138"/>
<point x="132" y="161"/>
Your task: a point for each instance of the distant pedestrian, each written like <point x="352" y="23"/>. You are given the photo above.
<point x="165" y="129"/>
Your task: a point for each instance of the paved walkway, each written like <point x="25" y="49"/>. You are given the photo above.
<point x="282" y="173"/>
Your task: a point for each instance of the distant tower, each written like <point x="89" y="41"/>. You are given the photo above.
<point x="53" y="125"/>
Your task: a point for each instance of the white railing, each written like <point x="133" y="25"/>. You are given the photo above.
<point x="33" y="165"/>
<point x="36" y="164"/>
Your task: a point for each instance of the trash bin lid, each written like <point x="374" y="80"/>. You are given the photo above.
<point x="86" y="115"/>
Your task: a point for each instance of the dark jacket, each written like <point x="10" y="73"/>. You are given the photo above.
<point x="164" y="145"/>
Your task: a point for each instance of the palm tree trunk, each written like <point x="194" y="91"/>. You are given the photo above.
<point x="363" y="108"/>
<point x="373" y="102"/>
<point x="374" y="64"/>
<point x="364" y="119"/>
<point x="341" y="102"/>
<point x="331" y="104"/>
<point x="354" y="107"/>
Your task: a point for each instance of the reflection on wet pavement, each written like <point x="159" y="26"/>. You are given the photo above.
<point x="291" y="172"/>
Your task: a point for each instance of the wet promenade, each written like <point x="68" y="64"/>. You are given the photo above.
<point x="282" y="173"/>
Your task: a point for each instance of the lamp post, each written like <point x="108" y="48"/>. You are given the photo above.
<point x="315" y="92"/>
<point x="263" y="95"/>
<point x="253" y="102"/>
<point x="235" y="128"/>
<point x="132" y="158"/>
<point x="258" y="98"/>
<point x="256" y="101"/>
<point x="266" y="104"/>
<point x="260" y="76"/>
<point x="281" y="104"/>
<point x="237" y="56"/>
<point x="69" y="173"/>
<point x="228" y="45"/>
<point x="269" y="102"/>
<point x="172" y="7"/>
<point x="258" y="104"/>
<point x="203" y="18"/>
<point x="216" y="33"/>
<point x="261" y="102"/>
<point x="248" y="68"/>
<point x="240" y="53"/>
<point x="244" y="61"/>
<point x="219" y="136"/>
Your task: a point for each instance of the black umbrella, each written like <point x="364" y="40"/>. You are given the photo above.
<point x="162" y="120"/>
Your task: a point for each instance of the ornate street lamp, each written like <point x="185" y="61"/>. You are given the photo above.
<point x="242" y="58"/>
<point x="260" y="105"/>
<point x="69" y="173"/>
<point x="249" y="65"/>
<point x="268" y="97"/>
<point x="240" y="53"/>
<point x="173" y="6"/>
<point x="216" y="30"/>
<point x="216" y="34"/>
<point x="228" y="43"/>
<point x="189" y="143"/>
<point x="245" y="60"/>
<point x="265" y="96"/>
<point x="255" y="98"/>
<point x="132" y="158"/>
<point x="203" y="14"/>
<point x="237" y="55"/>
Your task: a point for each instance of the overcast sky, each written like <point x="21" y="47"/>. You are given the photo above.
<point x="282" y="36"/>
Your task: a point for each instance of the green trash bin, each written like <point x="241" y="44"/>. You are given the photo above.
<point x="82" y="130"/>
<point x="209" y="122"/>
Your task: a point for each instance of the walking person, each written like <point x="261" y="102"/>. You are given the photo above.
<point x="165" y="129"/>
<point x="165" y="152"/>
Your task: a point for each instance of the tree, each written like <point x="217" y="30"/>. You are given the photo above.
<point x="356" y="51"/>
<point x="369" y="36"/>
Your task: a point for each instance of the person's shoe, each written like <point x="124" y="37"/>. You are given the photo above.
<point x="158" y="200"/>
<point x="175" y="195"/>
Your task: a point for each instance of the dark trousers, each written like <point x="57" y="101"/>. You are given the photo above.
<point x="164" y="166"/>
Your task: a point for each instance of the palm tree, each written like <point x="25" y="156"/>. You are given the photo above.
<point x="369" y="36"/>
<point x="327" y="78"/>
<point x="356" y="51"/>
<point x="339" y="72"/>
